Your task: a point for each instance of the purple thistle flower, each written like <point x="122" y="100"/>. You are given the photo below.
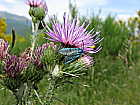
<point x="38" y="53"/>
<point x="74" y="36"/>
<point x="27" y="54"/>
<point x="14" y="65"/>
<point x="87" y="60"/>
<point x="3" y="49"/>
<point x="37" y="3"/>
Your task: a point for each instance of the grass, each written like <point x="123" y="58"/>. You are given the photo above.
<point x="107" y="88"/>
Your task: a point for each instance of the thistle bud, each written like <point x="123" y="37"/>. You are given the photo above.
<point x="38" y="10"/>
<point x="50" y="54"/>
<point x="86" y="60"/>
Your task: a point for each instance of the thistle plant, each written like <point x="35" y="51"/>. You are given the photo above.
<point x="68" y="53"/>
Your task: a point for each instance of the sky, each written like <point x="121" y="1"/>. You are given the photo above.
<point x="120" y="8"/>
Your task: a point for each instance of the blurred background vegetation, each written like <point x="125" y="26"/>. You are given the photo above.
<point x="113" y="80"/>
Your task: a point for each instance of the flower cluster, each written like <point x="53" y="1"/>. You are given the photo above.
<point x="71" y="35"/>
<point x="14" y="65"/>
<point x="66" y="54"/>
<point x="38" y="53"/>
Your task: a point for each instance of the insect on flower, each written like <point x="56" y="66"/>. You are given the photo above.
<point x="71" y="51"/>
<point x="76" y="41"/>
<point x="71" y="54"/>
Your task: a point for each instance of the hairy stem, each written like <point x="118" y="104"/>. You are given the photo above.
<point x="50" y="92"/>
<point x="34" y="32"/>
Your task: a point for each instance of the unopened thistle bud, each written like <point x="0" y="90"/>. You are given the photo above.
<point x="38" y="9"/>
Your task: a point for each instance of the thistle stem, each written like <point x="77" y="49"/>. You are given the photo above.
<point x="38" y="97"/>
<point x="50" y="92"/>
<point x="34" y="32"/>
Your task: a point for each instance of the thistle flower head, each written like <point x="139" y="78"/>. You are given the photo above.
<point x="87" y="60"/>
<point x="70" y="34"/>
<point x="3" y="49"/>
<point x="38" y="53"/>
<point x="37" y="3"/>
<point x="38" y="9"/>
<point x="14" y="65"/>
<point x="27" y="54"/>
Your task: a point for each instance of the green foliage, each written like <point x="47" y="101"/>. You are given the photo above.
<point x="33" y="73"/>
<point x="50" y="56"/>
<point x="20" y="47"/>
<point x="114" y="36"/>
<point x="135" y="50"/>
<point x="12" y="83"/>
<point x="73" y="10"/>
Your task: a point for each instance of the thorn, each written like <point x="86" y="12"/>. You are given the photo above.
<point x="70" y="74"/>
